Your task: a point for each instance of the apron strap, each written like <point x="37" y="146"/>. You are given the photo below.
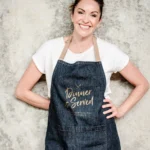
<point x="67" y="43"/>
<point x="96" y="50"/>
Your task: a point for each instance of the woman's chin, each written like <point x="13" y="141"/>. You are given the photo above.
<point x="83" y="34"/>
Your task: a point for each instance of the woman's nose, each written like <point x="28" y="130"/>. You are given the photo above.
<point x="86" y="18"/>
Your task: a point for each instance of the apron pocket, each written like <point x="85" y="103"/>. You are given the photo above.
<point x="91" y="137"/>
<point x="113" y="138"/>
<point x="112" y="130"/>
<point x="84" y="137"/>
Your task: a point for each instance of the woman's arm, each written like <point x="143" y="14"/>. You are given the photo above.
<point x="24" y="92"/>
<point x="134" y="76"/>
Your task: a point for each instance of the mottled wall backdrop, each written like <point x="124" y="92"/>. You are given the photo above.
<point x="26" y="24"/>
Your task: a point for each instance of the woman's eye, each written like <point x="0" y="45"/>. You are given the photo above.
<point x="94" y="15"/>
<point x="79" y="12"/>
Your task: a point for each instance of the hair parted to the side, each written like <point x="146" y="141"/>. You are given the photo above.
<point x="75" y="3"/>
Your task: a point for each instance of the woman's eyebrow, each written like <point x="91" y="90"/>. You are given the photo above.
<point x="91" y="12"/>
<point x="94" y="12"/>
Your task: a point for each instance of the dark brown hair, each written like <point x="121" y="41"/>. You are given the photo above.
<point x="75" y="3"/>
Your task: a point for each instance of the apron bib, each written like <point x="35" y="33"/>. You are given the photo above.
<point x="76" y="120"/>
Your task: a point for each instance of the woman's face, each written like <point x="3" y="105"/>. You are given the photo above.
<point x="86" y="17"/>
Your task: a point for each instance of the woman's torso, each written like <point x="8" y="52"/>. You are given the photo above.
<point x="112" y="58"/>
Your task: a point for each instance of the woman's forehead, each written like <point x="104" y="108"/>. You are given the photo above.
<point x="91" y="5"/>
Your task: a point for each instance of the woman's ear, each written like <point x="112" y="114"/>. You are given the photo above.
<point x="98" y="25"/>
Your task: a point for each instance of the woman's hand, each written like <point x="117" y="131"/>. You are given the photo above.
<point x="113" y="109"/>
<point x="135" y="77"/>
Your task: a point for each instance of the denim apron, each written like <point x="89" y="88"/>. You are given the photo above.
<point x="76" y="120"/>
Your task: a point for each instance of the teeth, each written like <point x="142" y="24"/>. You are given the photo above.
<point x="84" y="27"/>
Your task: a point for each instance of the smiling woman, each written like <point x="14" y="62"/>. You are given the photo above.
<point x="86" y="16"/>
<point x="80" y="102"/>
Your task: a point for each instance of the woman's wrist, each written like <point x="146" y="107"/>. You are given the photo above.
<point x="120" y="112"/>
<point x="46" y="104"/>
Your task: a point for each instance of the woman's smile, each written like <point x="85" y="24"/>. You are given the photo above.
<point x="84" y="27"/>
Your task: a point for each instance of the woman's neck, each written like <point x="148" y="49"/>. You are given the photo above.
<point x="82" y="41"/>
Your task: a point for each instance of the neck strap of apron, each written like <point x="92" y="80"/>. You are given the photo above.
<point x="67" y="43"/>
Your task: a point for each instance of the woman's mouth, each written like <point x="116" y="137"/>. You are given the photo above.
<point x="84" y="27"/>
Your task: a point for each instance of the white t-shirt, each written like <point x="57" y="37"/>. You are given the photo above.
<point x="112" y="58"/>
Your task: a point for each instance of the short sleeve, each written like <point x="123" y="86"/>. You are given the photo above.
<point x="39" y="57"/>
<point x="120" y="59"/>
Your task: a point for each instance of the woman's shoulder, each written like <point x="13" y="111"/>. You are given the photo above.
<point x="54" y="41"/>
<point x="108" y="47"/>
<point x="105" y="44"/>
<point x="52" y="45"/>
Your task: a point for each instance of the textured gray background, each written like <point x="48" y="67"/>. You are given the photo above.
<point x="26" y="24"/>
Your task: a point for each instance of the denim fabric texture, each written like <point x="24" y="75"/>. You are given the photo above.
<point x="76" y="120"/>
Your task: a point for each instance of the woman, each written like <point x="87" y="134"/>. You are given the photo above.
<point x="81" y="114"/>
